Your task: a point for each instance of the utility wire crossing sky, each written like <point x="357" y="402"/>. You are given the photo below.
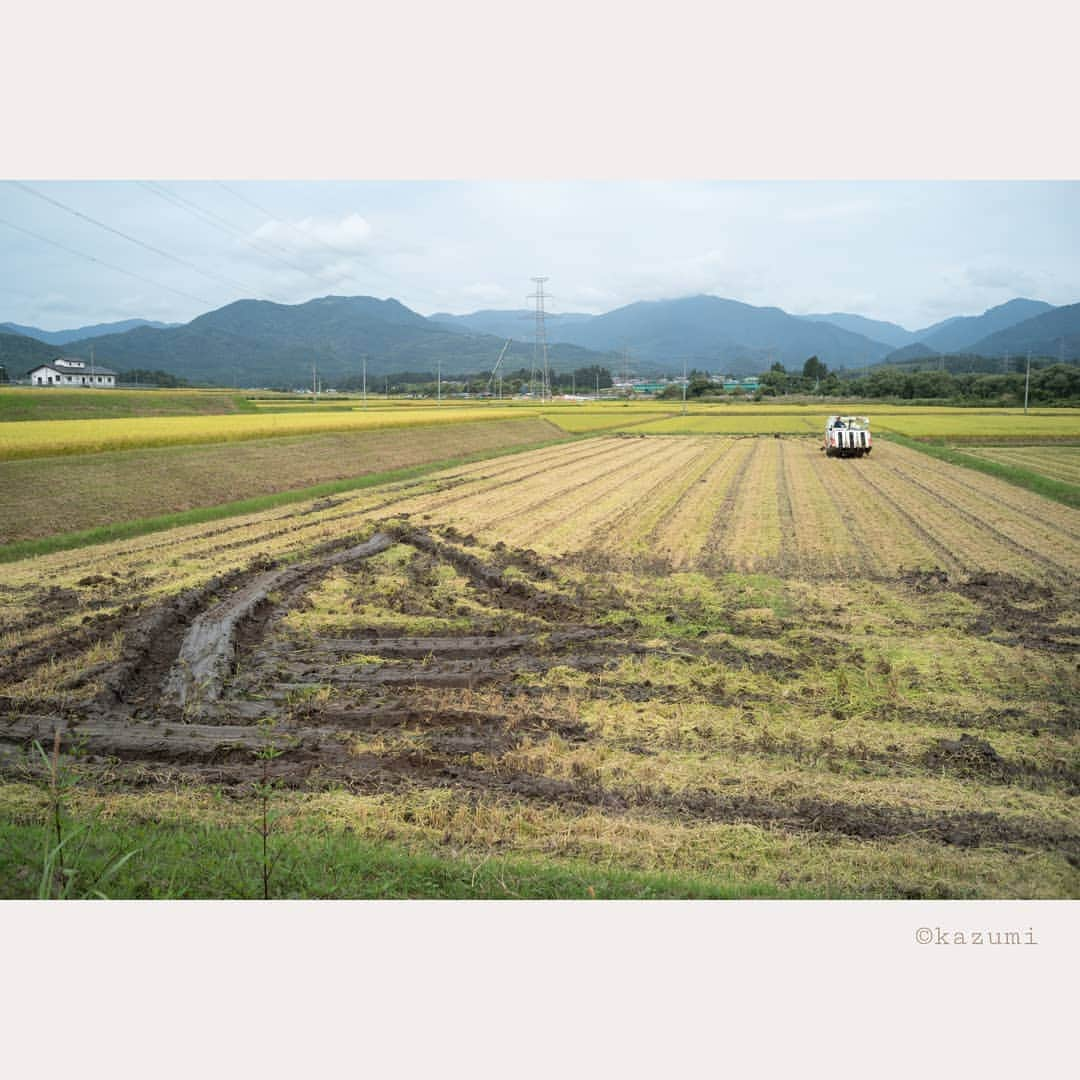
<point x="78" y="252"/>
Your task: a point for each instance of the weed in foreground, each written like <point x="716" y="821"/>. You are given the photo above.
<point x="65" y="861"/>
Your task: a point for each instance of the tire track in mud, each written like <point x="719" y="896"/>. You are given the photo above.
<point x="980" y="524"/>
<point x="315" y="756"/>
<point x="209" y="644"/>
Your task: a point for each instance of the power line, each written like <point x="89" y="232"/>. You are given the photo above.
<point x="134" y="240"/>
<point x="221" y="224"/>
<point x="307" y="237"/>
<point x="102" y="262"/>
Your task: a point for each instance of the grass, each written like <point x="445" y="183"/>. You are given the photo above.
<point x="1047" y="486"/>
<point x="46" y="496"/>
<point x="123" y="530"/>
<point x="316" y="858"/>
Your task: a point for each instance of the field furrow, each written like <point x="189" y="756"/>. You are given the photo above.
<point x="752" y="542"/>
<point x="826" y="530"/>
<point x="1031" y="523"/>
<point x="684" y="537"/>
<point x="988" y="546"/>
<point x="568" y="519"/>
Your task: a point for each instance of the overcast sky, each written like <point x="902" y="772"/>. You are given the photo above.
<point x="912" y="253"/>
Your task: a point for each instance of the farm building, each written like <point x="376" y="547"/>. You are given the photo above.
<point x="69" y="371"/>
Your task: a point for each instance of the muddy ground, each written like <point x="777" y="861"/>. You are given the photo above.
<point x="207" y="679"/>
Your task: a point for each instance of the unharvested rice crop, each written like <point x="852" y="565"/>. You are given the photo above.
<point x="46" y="438"/>
<point x="750" y="421"/>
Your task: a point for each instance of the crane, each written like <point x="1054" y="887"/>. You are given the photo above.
<point x="495" y="369"/>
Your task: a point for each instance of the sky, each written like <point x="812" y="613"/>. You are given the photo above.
<point x="907" y="252"/>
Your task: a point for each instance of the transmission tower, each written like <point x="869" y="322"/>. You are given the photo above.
<point x="540" y="350"/>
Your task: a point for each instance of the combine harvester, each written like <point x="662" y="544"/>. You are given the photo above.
<point x="847" y="436"/>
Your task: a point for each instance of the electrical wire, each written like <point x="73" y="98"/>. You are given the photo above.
<point x="102" y="262"/>
<point x="131" y="239"/>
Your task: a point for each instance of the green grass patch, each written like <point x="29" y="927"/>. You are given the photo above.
<point x="1058" y="490"/>
<point x="199" y="860"/>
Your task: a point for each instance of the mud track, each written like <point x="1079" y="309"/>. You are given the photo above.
<point x="209" y="678"/>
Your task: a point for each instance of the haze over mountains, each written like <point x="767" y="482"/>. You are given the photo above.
<point x="256" y="342"/>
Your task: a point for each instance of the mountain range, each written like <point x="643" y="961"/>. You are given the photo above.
<point x="259" y="343"/>
<point x="80" y="333"/>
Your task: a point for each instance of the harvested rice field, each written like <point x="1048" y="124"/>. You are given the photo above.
<point x="715" y="665"/>
<point x="1056" y="462"/>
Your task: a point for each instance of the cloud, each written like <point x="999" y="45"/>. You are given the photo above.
<point x="349" y="235"/>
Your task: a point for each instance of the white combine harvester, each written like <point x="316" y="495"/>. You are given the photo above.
<point x="847" y="436"/>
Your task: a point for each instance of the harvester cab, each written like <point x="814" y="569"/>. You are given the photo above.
<point x="847" y="436"/>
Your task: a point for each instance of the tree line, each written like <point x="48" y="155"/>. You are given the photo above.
<point x="1053" y="384"/>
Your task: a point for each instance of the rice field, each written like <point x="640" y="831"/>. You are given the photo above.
<point x="724" y="658"/>
<point x="1056" y="462"/>
<point x="45" y="438"/>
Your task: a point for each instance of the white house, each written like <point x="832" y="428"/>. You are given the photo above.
<point x="69" y="371"/>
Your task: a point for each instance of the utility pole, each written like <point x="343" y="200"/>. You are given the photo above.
<point x="684" y="387"/>
<point x="314" y="381"/>
<point x="438" y="391"/>
<point x="1027" y="382"/>
<point x="365" y="381"/>
<point x="597" y="384"/>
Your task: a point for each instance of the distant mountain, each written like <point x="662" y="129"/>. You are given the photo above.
<point x="888" y="332"/>
<point x="62" y="337"/>
<point x="19" y="353"/>
<point x="961" y="333"/>
<point x="712" y="333"/>
<point x="259" y="343"/>
<point x="915" y="351"/>
<point x="518" y="325"/>
<point x="1052" y="334"/>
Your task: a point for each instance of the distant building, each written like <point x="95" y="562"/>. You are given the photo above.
<point x="749" y="384"/>
<point x="69" y="371"/>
